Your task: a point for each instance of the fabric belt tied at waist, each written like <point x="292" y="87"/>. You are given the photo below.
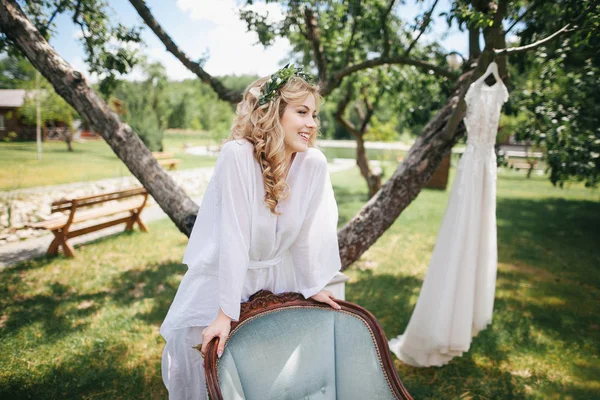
<point x="254" y="264"/>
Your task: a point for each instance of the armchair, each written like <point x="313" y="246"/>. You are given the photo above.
<point x="287" y="347"/>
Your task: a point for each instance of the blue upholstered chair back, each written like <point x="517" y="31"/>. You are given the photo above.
<point x="303" y="353"/>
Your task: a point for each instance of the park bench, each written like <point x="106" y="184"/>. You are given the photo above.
<point x="60" y="225"/>
<point x="166" y="160"/>
<point x="526" y="164"/>
<point x="522" y="164"/>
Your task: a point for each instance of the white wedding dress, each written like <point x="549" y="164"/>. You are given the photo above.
<point x="457" y="297"/>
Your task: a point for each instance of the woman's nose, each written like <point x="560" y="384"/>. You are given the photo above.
<point x="311" y="123"/>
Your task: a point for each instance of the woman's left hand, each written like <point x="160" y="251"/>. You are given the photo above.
<point x="325" y="296"/>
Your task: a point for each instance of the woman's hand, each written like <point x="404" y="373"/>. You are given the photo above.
<point x="325" y="296"/>
<point x="219" y="328"/>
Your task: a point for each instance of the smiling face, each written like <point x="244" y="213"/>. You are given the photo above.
<point x="299" y="125"/>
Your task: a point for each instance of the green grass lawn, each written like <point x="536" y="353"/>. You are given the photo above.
<point x="88" y="327"/>
<point x="90" y="160"/>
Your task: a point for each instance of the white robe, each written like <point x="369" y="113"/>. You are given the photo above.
<point x="238" y="247"/>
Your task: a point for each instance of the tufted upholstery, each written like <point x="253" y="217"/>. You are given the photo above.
<point x="305" y="352"/>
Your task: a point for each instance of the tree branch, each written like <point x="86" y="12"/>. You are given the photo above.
<point x="398" y="60"/>
<point x="424" y="25"/>
<point x="295" y="20"/>
<point x="59" y="8"/>
<point x="77" y="10"/>
<point x="223" y="93"/>
<point x="359" y="110"/>
<point x="386" y="38"/>
<point x="314" y="38"/>
<point x="520" y="18"/>
<point x="347" y="125"/>
<point x="531" y="46"/>
<point x="341" y="109"/>
<point x="371" y="107"/>
<point x="86" y="38"/>
<point x="351" y="42"/>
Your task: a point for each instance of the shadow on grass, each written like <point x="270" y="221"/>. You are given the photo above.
<point x="149" y="282"/>
<point x="556" y="235"/>
<point x="536" y="311"/>
<point x="386" y="296"/>
<point x="46" y="310"/>
<point x="60" y="309"/>
<point x="63" y="311"/>
<point x="99" y="370"/>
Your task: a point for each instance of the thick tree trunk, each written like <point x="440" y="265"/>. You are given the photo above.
<point x="495" y="39"/>
<point x="474" y="32"/>
<point x="72" y="86"/>
<point x="474" y="50"/>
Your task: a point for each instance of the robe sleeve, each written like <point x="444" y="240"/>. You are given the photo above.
<point x="315" y="252"/>
<point x="234" y="216"/>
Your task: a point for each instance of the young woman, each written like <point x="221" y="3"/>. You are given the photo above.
<point x="268" y="220"/>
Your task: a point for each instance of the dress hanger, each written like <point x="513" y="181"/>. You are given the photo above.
<point x="493" y="68"/>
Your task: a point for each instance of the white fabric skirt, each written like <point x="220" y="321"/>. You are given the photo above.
<point x="183" y="366"/>
<point x="457" y="297"/>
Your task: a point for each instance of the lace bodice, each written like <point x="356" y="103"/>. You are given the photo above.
<point x="484" y="103"/>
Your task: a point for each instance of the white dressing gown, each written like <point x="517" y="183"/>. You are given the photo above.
<point x="238" y="247"/>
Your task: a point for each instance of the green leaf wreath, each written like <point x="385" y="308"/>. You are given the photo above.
<point x="278" y="79"/>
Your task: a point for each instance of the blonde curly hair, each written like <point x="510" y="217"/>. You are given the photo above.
<point x="261" y="126"/>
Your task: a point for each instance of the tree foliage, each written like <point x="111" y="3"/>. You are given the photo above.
<point x="110" y="48"/>
<point x="16" y="72"/>
<point x="144" y="104"/>
<point x="559" y="95"/>
<point x="53" y="108"/>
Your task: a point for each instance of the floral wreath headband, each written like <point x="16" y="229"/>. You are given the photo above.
<point x="270" y="88"/>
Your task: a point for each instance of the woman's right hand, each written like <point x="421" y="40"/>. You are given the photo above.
<point x="219" y="328"/>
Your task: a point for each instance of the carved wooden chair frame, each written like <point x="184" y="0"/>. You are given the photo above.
<point x="265" y="302"/>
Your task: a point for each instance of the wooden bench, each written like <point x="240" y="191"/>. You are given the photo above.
<point x="165" y="159"/>
<point x="526" y="164"/>
<point x="60" y="225"/>
<point x="522" y="164"/>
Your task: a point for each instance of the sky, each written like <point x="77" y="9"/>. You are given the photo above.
<point x="212" y="27"/>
